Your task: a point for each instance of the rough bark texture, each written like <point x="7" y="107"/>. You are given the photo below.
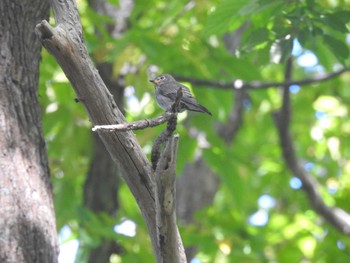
<point x="168" y="235"/>
<point x="27" y="220"/>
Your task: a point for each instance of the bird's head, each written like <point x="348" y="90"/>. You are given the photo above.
<point x="164" y="78"/>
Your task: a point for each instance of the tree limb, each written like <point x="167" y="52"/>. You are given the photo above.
<point x="168" y="236"/>
<point x="136" y="125"/>
<point x="240" y="84"/>
<point x="336" y="216"/>
<point x="66" y="44"/>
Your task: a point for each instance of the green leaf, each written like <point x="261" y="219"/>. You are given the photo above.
<point x="226" y="16"/>
<point x="336" y="22"/>
<point x="114" y="2"/>
<point x="256" y="37"/>
<point x="257" y="6"/>
<point x="339" y="48"/>
<point x="187" y="147"/>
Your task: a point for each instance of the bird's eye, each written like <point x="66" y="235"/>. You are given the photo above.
<point x="162" y="77"/>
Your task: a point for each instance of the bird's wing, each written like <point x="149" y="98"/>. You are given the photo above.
<point x="186" y="93"/>
<point x="187" y="101"/>
<point x="187" y="98"/>
<point x="190" y="102"/>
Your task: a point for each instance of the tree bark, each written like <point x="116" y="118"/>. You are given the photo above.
<point x="27" y="220"/>
<point x="169" y="239"/>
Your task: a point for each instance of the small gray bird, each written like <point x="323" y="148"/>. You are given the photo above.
<point x="166" y="91"/>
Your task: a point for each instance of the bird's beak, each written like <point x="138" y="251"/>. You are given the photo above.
<point x="152" y="80"/>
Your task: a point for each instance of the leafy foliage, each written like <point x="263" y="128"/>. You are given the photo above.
<point x="189" y="39"/>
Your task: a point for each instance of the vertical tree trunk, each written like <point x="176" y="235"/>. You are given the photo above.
<point x="27" y="220"/>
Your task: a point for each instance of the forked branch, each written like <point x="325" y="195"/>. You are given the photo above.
<point x="66" y="44"/>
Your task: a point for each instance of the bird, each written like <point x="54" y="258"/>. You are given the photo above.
<point x="166" y="88"/>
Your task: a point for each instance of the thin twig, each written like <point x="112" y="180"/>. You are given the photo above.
<point x="229" y="130"/>
<point x="240" y="84"/>
<point x="136" y="125"/>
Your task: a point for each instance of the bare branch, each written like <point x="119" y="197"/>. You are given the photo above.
<point x="336" y="216"/>
<point x="229" y="130"/>
<point x="240" y="84"/>
<point x="136" y="125"/>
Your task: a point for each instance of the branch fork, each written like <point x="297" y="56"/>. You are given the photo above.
<point x="66" y="44"/>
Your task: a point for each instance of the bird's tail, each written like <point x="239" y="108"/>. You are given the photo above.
<point x="199" y="108"/>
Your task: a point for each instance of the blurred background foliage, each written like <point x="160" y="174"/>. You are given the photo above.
<point x="259" y="213"/>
